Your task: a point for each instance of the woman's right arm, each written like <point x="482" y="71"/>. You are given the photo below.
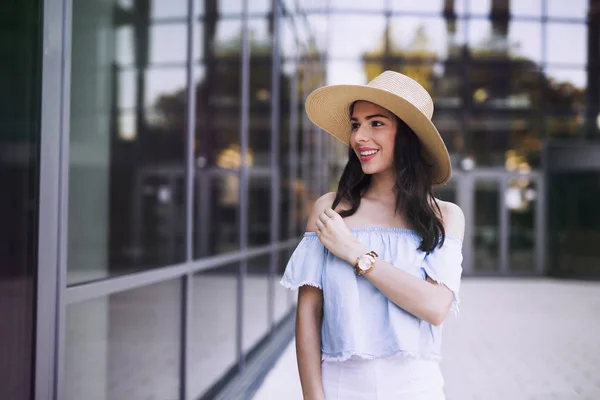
<point x="309" y="318"/>
<point x="308" y="341"/>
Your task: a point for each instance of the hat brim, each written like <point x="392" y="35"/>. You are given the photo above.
<point x="329" y="107"/>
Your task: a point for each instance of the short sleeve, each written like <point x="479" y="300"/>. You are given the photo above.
<point x="305" y="266"/>
<point x="444" y="266"/>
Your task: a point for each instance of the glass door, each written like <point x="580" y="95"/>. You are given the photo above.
<point x="504" y="215"/>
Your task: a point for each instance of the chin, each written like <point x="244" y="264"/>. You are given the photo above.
<point x="370" y="170"/>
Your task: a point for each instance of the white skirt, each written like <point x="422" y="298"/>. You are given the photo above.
<point x="393" y="378"/>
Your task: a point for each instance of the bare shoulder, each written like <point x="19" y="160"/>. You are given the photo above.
<point x="320" y="205"/>
<point x="453" y="219"/>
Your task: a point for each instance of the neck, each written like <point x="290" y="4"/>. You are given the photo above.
<point x="382" y="186"/>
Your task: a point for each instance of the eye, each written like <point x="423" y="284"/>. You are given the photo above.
<point x="354" y="125"/>
<point x="376" y="123"/>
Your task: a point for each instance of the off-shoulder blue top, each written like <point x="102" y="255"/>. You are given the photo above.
<point x="358" y="320"/>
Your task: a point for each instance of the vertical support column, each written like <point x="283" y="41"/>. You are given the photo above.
<point x="465" y="196"/>
<point x="541" y="231"/>
<point x="274" y="160"/>
<point x="504" y="226"/>
<point x="244" y="117"/>
<point x="63" y="221"/>
<point x="51" y="167"/>
<point x="188" y="279"/>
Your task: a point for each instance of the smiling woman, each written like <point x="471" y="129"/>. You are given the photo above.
<point x="379" y="267"/>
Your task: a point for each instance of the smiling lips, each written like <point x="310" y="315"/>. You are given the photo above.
<point x="367" y="153"/>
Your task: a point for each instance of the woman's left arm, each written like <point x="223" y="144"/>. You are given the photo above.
<point x="425" y="299"/>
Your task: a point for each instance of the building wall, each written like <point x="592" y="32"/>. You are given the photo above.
<point x="167" y="279"/>
<point x="152" y="91"/>
<point x="20" y="83"/>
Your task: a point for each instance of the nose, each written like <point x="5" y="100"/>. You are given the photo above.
<point x="361" y="134"/>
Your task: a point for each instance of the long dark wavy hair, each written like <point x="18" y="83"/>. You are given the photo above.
<point x="412" y="186"/>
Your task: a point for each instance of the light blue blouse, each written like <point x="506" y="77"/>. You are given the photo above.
<point x="358" y="320"/>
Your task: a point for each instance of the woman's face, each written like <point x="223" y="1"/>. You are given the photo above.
<point x="373" y="135"/>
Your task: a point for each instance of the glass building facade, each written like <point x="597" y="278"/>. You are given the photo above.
<point x="157" y="169"/>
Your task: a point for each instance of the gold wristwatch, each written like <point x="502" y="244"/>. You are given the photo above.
<point x="365" y="263"/>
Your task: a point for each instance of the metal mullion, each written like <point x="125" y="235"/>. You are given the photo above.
<point x="504" y="230"/>
<point x="188" y="279"/>
<point x="47" y="280"/>
<point x="63" y="221"/>
<point x="293" y="158"/>
<point x="245" y="74"/>
<point x="274" y="159"/>
<point x="106" y="287"/>
<point x="305" y="138"/>
<point x="540" y="226"/>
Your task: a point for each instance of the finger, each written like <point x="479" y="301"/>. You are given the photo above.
<point x="330" y="213"/>
<point x="320" y="225"/>
<point x="323" y="217"/>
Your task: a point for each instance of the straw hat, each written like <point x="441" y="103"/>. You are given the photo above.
<point x="329" y="108"/>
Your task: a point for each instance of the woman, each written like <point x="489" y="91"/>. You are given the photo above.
<point x="379" y="267"/>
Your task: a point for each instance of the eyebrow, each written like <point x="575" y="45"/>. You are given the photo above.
<point x="370" y="117"/>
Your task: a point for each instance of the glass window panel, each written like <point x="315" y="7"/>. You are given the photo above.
<point x="479" y="7"/>
<point x="506" y="86"/>
<point x="285" y="156"/>
<point x="230" y="6"/>
<point x="515" y="7"/>
<point x="259" y="6"/>
<point x="125" y="346"/>
<point x="259" y="210"/>
<point x="199" y="6"/>
<point x="317" y="32"/>
<point x="512" y="140"/>
<point x="448" y="124"/>
<point x="499" y="41"/>
<point x="168" y="43"/>
<point x="165" y="92"/>
<point x="574" y="224"/>
<point x="421" y="37"/>
<point x="348" y="72"/>
<point x="259" y="129"/>
<point x="256" y="291"/>
<point x="568" y="9"/>
<point x="288" y="40"/>
<point x="486" y="225"/>
<point x="307" y="5"/>
<point x="566" y="43"/>
<point x="217" y="208"/>
<point x="168" y="8"/>
<point x="20" y="104"/>
<point x="344" y="5"/>
<point x="426" y="6"/>
<point x="126" y="172"/>
<point x="528" y="8"/>
<point x="566" y="90"/>
<point x="214" y="327"/>
<point x="125" y="45"/>
<point x="348" y="42"/>
<point x="521" y="202"/>
<point x="127" y="89"/>
<point x="565" y="126"/>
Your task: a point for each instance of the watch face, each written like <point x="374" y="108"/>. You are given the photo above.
<point x="364" y="262"/>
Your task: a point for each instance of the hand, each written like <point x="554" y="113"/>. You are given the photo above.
<point x="335" y="235"/>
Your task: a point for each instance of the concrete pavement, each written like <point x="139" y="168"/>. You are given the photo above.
<point x="515" y="339"/>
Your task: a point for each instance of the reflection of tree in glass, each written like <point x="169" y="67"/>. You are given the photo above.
<point x="498" y="79"/>
<point x="218" y="101"/>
